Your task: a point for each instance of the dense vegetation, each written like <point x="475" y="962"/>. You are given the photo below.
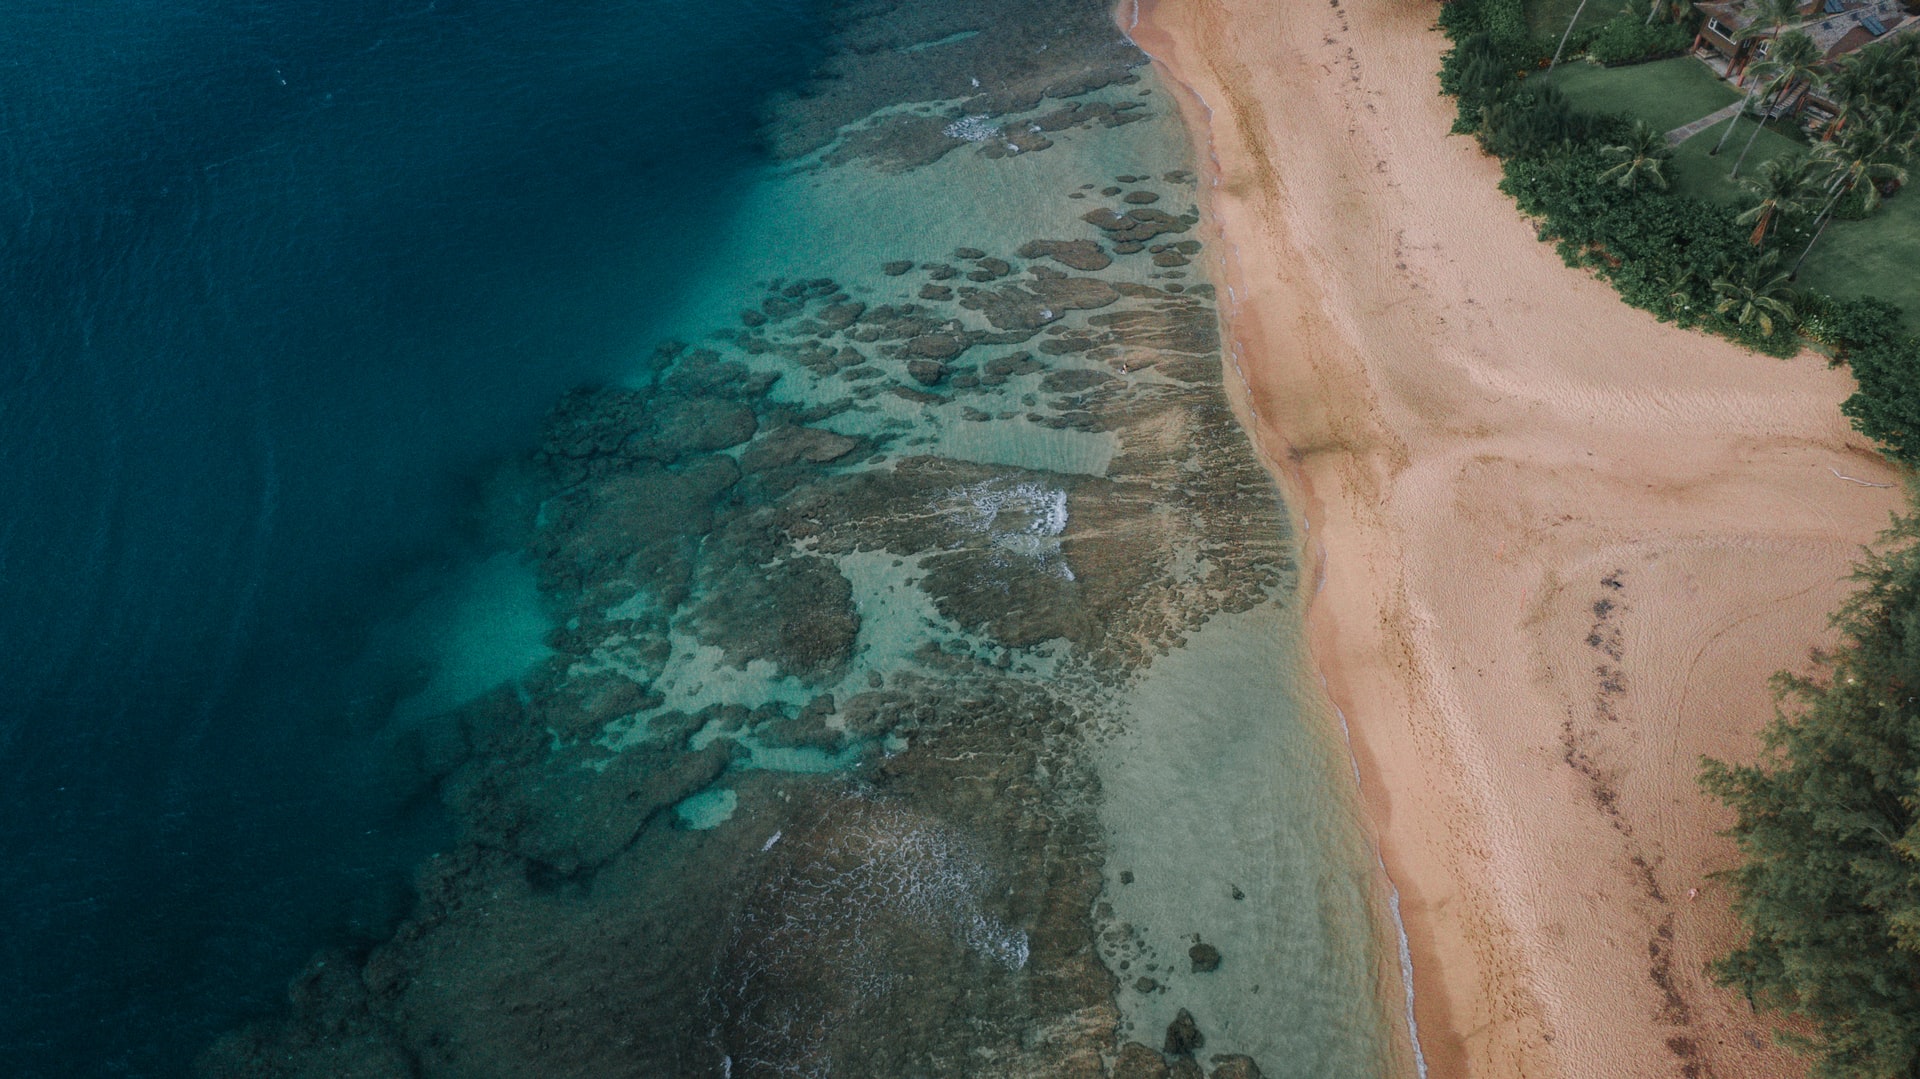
<point x="1830" y="886"/>
<point x="1626" y="38"/>
<point x="1829" y="818"/>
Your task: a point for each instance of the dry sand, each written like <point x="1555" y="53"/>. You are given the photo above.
<point x="1562" y="545"/>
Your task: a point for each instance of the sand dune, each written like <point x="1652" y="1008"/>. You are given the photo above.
<point x="1562" y="545"/>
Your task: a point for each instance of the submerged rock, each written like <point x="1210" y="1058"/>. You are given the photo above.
<point x="1137" y="225"/>
<point x="1138" y="1061"/>
<point x="1079" y="254"/>
<point x="1183" y="1035"/>
<point x="1234" y="1066"/>
<point x="937" y="346"/>
<point x="1205" y="958"/>
<point x="927" y="372"/>
<point x="1075" y="380"/>
<point x="685" y="425"/>
<point x="793" y="443"/>
<point x="570" y="809"/>
<point x="1038" y="302"/>
<point x="796" y="612"/>
<point x="634" y="528"/>
<point x="838" y="316"/>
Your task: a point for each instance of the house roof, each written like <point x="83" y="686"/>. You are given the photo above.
<point x="1838" y="27"/>
<point x="1856" y="24"/>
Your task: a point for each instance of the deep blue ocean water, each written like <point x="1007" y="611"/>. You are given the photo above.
<point x="278" y="280"/>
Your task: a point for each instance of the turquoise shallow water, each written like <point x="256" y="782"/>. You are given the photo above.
<point x="827" y="683"/>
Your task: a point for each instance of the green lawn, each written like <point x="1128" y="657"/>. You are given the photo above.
<point x="1879" y="256"/>
<point x="1665" y="93"/>
<point x="1548" y="18"/>
<point x="1696" y="172"/>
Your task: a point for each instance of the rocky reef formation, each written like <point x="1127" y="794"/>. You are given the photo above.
<point x="980" y="61"/>
<point x="805" y="788"/>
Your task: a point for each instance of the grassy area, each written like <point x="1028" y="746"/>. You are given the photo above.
<point x="1665" y="93"/>
<point x="1697" y="173"/>
<point x="1874" y="257"/>
<point x="1548" y="18"/>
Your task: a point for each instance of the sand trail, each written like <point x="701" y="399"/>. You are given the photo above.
<point x="1562" y="545"/>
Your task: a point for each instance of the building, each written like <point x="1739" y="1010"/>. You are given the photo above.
<point x="1837" y="26"/>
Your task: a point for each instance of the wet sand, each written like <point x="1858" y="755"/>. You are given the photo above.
<point x="1561" y="545"/>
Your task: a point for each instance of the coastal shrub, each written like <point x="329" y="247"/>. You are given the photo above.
<point x="1829" y="884"/>
<point x="1475" y="77"/>
<point x="1492" y="50"/>
<point x="1503" y="21"/>
<point x="1885" y="359"/>
<point x="1849" y="324"/>
<point x="1661" y="251"/>
<point x="1527" y="121"/>
<point x="1627" y="38"/>
<point x="1637" y="236"/>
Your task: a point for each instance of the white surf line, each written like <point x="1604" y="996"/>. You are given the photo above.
<point x="1227" y="260"/>
<point x="1393" y="901"/>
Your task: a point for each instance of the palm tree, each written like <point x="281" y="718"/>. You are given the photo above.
<point x="1873" y="149"/>
<point x="1785" y="189"/>
<point x="1756" y="290"/>
<point x="1893" y="71"/>
<point x="1676" y="10"/>
<point x="1794" y="58"/>
<point x="1850" y="85"/>
<point x="1885" y="74"/>
<point x="1677" y="281"/>
<point x="1769" y="18"/>
<point x="1638" y="158"/>
<point x="1745" y="104"/>
<point x="1571" y="23"/>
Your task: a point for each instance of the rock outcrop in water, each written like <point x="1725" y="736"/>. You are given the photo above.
<point x="1183" y="1035"/>
<point x="1204" y="957"/>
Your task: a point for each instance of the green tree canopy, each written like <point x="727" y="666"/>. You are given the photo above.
<point x="1794" y="60"/>
<point x="1885" y="359"/>
<point x="1638" y="158"/>
<point x="1755" y="291"/>
<point x="1826" y="822"/>
<point x="1784" y="190"/>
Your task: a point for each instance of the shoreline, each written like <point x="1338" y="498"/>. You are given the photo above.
<point x="1559" y="546"/>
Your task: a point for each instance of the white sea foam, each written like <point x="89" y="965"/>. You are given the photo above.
<point x="1024" y="519"/>
<point x="972" y="129"/>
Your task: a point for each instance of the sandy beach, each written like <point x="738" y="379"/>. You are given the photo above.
<point x="1561" y="545"/>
